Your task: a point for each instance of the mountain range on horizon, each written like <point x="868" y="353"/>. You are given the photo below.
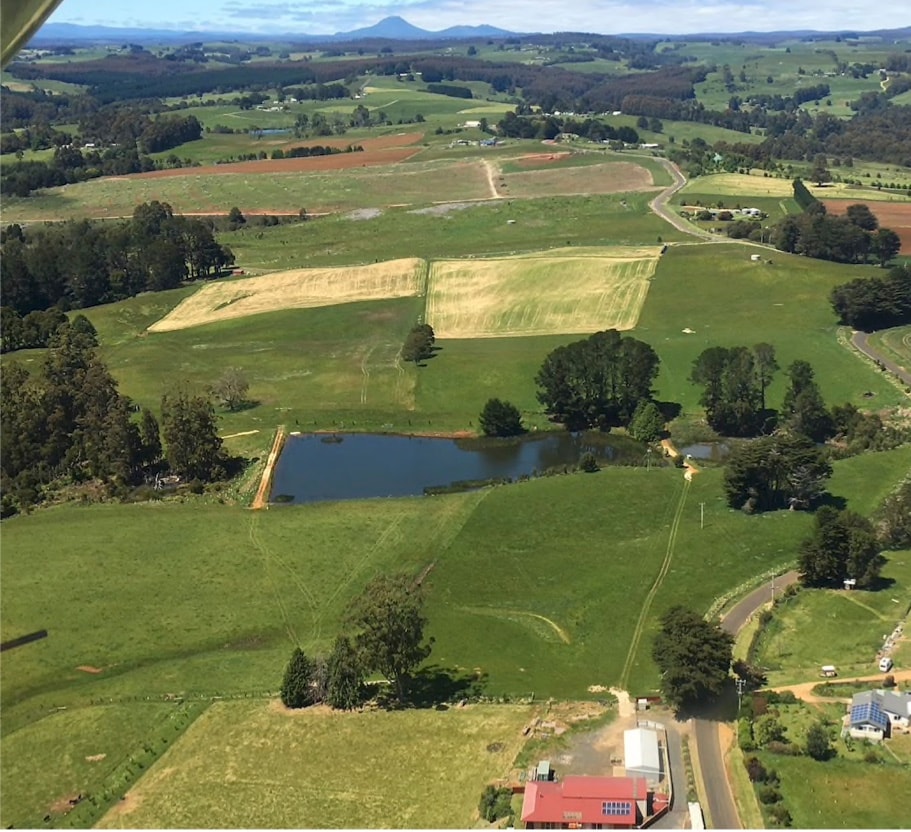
<point x="390" y="28"/>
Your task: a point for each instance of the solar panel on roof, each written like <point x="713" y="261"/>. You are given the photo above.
<point x="616" y="808"/>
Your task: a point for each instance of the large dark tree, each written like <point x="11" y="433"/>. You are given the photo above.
<point x="192" y="444"/>
<point x="780" y="471"/>
<point x="499" y="418"/>
<point x="870" y="303"/>
<point x="734" y="380"/>
<point x="597" y="382"/>
<point x="694" y="657"/>
<point x="297" y="688"/>
<point x="843" y="545"/>
<point x="388" y="621"/>
<point x="804" y="410"/>
<point x="345" y="675"/>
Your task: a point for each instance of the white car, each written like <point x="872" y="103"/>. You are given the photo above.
<point x="885" y="664"/>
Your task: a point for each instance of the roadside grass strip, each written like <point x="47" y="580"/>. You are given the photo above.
<point x="540" y="295"/>
<point x="295" y="289"/>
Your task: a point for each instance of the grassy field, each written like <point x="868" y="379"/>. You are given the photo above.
<point x="894" y="344"/>
<point x="568" y="291"/>
<point x="728" y="300"/>
<point x="259" y="186"/>
<point x="839" y="794"/>
<point x="478" y="229"/>
<point x="419" y="769"/>
<point x="819" y="627"/>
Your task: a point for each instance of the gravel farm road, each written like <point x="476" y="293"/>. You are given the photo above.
<point x="860" y="340"/>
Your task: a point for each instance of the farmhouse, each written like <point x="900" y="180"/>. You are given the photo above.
<point x="587" y="803"/>
<point x="874" y="714"/>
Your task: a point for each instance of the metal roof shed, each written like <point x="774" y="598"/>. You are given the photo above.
<point x="641" y="754"/>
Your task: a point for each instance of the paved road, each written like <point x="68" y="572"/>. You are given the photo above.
<point x="860" y="340"/>
<point x="719" y="797"/>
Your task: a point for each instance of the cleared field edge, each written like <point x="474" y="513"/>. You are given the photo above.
<point x="558" y="293"/>
<point x="295" y="289"/>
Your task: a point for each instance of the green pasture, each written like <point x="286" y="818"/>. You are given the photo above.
<point x="92" y="750"/>
<point x="483" y="228"/>
<point x="420" y="769"/>
<point x="844" y="628"/>
<point x="894" y="344"/>
<point x="728" y="300"/>
<point x="535" y="587"/>
<point x="840" y="794"/>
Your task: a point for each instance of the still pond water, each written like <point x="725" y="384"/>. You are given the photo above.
<point x="348" y="466"/>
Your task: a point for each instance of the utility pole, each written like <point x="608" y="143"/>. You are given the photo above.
<point x="741" y="685"/>
<point x="773" y="590"/>
<point x="701" y="515"/>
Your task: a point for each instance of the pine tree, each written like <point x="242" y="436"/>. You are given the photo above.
<point x="345" y="676"/>
<point x="296" y="685"/>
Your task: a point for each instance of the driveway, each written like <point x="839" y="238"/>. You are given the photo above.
<point x="861" y="341"/>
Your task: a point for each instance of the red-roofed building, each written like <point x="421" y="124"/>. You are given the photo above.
<point x="586" y="803"/>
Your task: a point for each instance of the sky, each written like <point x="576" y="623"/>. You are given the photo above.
<point x="598" y="16"/>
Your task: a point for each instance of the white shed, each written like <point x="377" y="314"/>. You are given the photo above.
<point x="641" y="754"/>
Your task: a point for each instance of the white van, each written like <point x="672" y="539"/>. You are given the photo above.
<point x="885" y="664"/>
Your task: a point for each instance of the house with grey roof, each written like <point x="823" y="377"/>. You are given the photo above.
<point x="875" y="714"/>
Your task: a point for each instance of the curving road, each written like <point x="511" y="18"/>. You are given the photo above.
<point x="660" y="207"/>
<point x="861" y="342"/>
<point x="719" y="799"/>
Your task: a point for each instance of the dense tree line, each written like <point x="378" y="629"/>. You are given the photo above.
<point x="871" y="303"/>
<point x="66" y="424"/>
<point x="550" y="126"/>
<point x="853" y="238"/>
<point x="452" y="90"/>
<point x="597" y="382"/>
<point x="82" y="263"/>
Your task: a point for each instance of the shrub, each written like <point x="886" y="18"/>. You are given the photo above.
<point x="756" y="771"/>
<point x="500" y="418"/>
<point x="769" y="795"/>
<point x="495" y="803"/>
<point x="588" y="462"/>
<point x="889" y="681"/>
<point x="788" y="749"/>
<point x="745" y="735"/>
<point x="780" y="815"/>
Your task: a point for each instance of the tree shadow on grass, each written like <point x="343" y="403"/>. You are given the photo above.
<point x="827" y="499"/>
<point x="435" y="687"/>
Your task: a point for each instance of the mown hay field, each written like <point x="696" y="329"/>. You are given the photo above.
<point x="560" y="293"/>
<point x="295" y="289"/>
<point x="320" y="769"/>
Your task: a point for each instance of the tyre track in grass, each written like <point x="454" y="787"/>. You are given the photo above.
<point x="653" y="591"/>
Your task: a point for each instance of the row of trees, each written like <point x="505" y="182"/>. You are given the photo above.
<point x="84" y="263"/>
<point x="68" y="424"/>
<point x="384" y="634"/>
<point x="853" y="238"/>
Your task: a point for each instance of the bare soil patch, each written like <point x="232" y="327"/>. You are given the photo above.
<point x="536" y="160"/>
<point x="295" y="289"/>
<point x="894" y="215"/>
<point x="87" y="668"/>
<point x="309" y="164"/>
<point x="95" y="758"/>
<point x="609" y="178"/>
<point x="64" y="805"/>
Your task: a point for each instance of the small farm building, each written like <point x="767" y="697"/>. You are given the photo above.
<point x="586" y="803"/>
<point x="641" y="754"/>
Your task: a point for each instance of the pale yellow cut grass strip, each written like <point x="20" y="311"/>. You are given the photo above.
<point x="295" y="289"/>
<point x="565" y="293"/>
